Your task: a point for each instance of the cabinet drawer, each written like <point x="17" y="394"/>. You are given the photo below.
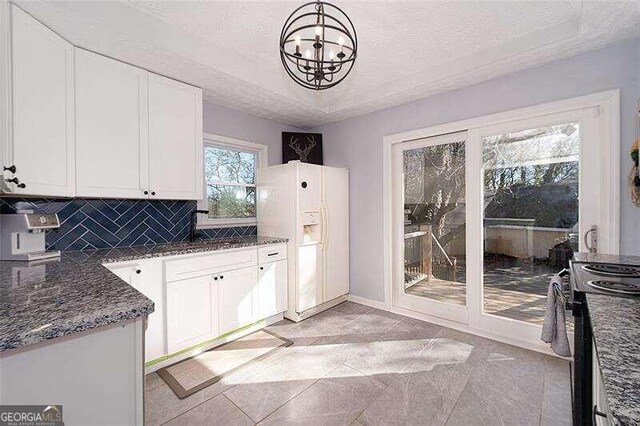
<point x="180" y="269"/>
<point x="272" y="253"/>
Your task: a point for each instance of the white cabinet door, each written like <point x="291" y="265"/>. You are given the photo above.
<point x="336" y="237"/>
<point x="111" y="127"/>
<point x="43" y="147"/>
<point x="146" y="277"/>
<point x="236" y="298"/>
<point x="191" y="309"/>
<point x="175" y="139"/>
<point x="131" y="273"/>
<point x="271" y="290"/>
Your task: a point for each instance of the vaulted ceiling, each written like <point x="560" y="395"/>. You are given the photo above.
<point x="407" y="49"/>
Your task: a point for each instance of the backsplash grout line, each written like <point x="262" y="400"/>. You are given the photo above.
<point x="88" y="223"/>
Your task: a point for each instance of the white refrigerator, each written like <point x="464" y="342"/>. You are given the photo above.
<point x="309" y="205"/>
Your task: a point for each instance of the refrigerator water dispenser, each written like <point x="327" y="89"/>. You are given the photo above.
<point x="312" y="228"/>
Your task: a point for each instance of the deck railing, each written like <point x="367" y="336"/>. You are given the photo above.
<point x="431" y="262"/>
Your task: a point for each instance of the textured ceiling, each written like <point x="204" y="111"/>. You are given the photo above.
<point x="408" y="50"/>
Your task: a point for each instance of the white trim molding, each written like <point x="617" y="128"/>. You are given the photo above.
<point x="605" y="106"/>
<point x="262" y="153"/>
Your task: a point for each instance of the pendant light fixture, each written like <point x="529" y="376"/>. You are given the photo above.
<point x="318" y="45"/>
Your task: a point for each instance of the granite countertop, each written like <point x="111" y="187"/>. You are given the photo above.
<point x="615" y="322"/>
<point x="49" y="299"/>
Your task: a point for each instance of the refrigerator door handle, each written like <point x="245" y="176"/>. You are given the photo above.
<point x="325" y="224"/>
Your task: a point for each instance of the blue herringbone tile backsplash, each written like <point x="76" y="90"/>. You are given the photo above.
<point x="104" y="223"/>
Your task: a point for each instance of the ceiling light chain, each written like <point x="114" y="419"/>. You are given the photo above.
<point x="312" y="28"/>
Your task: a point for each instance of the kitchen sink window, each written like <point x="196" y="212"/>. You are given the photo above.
<point x="230" y="181"/>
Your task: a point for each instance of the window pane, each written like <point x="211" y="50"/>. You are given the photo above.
<point x="530" y="216"/>
<point x="231" y="201"/>
<point x="434" y="230"/>
<point x="228" y="165"/>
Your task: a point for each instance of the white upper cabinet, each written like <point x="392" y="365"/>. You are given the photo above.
<point x="111" y="127"/>
<point x="42" y="147"/>
<point x="175" y="139"/>
<point x="89" y="125"/>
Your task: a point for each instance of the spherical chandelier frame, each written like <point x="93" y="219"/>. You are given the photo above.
<point x="318" y="69"/>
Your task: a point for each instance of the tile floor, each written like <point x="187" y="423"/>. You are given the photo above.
<point x="357" y="365"/>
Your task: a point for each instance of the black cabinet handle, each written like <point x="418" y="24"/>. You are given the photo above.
<point x="303" y="184"/>
<point x="22" y="185"/>
<point x="215" y="278"/>
<point x="262" y="268"/>
<point x="13" y="180"/>
<point x="597" y="412"/>
<point x="153" y="192"/>
<point x="146" y="192"/>
<point x="221" y="277"/>
<point x="138" y="271"/>
<point x="12" y="169"/>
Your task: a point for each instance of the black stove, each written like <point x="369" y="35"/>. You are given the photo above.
<point x="618" y="287"/>
<point x="605" y="278"/>
<point x="591" y="275"/>
<point x="612" y="269"/>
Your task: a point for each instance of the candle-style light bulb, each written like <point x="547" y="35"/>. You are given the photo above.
<point x="332" y="54"/>
<point x="341" y="44"/>
<point x="307" y="54"/>
<point x="318" y="31"/>
<point x="298" y="41"/>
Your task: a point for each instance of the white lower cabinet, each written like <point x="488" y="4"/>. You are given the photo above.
<point x="271" y="290"/>
<point x="191" y="312"/>
<point x="236" y="307"/>
<point x="200" y="297"/>
<point x="146" y="277"/>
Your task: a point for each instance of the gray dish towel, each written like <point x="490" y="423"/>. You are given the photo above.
<point x="554" y="329"/>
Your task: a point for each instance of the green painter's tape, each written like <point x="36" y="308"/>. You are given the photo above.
<point x="206" y="342"/>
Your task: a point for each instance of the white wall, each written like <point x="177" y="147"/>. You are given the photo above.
<point x="239" y="125"/>
<point x="357" y="143"/>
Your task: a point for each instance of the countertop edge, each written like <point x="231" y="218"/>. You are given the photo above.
<point x="99" y="259"/>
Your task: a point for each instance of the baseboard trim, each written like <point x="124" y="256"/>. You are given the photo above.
<point x="541" y="347"/>
<point x="292" y="315"/>
<point x="367" y="302"/>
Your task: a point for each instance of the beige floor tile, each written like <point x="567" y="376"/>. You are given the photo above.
<point x="419" y="398"/>
<point x="162" y="405"/>
<point x="481" y="405"/>
<point x="338" y="398"/>
<point x="216" y="411"/>
<point x="357" y="365"/>
<point x="259" y="398"/>
<point x="389" y="356"/>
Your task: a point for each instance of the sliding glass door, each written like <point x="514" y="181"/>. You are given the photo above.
<point x="430" y="186"/>
<point x="530" y="218"/>
<point x="483" y="218"/>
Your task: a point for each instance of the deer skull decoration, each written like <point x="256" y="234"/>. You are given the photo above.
<point x="302" y="152"/>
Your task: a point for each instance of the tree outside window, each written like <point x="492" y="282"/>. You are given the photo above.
<point x="230" y="179"/>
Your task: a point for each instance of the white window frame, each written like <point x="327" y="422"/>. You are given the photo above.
<point x="261" y="152"/>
